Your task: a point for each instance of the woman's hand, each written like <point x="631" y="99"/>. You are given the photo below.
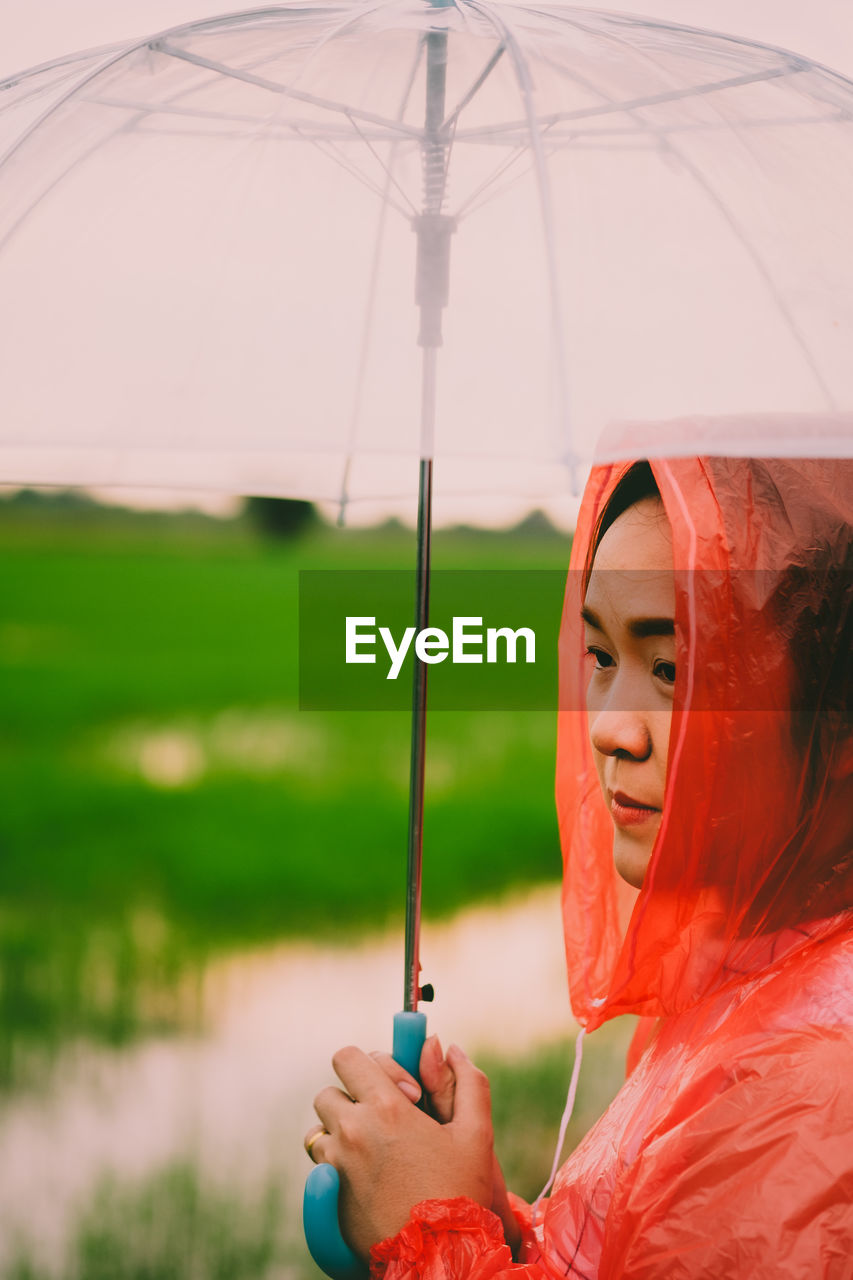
<point x="439" y="1087"/>
<point x="438" y="1080"/>
<point x="390" y="1155"/>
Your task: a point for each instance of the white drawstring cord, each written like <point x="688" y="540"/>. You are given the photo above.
<point x="564" y="1123"/>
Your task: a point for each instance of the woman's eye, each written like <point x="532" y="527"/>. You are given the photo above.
<point x="603" y="660"/>
<point x="665" y="671"/>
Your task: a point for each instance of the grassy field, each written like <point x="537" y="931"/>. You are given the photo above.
<point x="165" y="797"/>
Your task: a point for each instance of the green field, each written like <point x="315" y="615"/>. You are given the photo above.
<point x="165" y="797"/>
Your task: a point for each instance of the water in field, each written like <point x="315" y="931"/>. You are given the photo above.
<point x="213" y="1122"/>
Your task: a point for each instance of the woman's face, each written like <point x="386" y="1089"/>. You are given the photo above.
<point x="629" y="633"/>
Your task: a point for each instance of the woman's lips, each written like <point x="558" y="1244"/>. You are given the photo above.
<point x="628" y="812"/>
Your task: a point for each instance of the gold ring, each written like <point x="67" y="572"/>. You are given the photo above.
<point x="309" y="1145"/>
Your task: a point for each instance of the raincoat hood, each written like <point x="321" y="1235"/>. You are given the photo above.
<point x="752" y="860"/>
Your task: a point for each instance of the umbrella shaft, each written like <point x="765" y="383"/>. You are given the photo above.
<point x="411" y="990"/>
<point x="433" y="233"/>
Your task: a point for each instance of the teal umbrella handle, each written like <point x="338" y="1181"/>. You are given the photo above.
<point x="409" y="1036"/>
<point x="320" y="1202"/>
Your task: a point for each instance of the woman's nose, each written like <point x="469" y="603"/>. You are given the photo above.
<point x="621" y="733"/>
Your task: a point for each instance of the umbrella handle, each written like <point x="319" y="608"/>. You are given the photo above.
<point x="320" y="1202"/>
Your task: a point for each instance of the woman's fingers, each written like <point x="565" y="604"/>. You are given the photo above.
<point x="457" y="1089"/>
<point x="438" y="1080"/>
<point x="314" y="1144"/>
<point x="363" y="1079"/>
<point x="406" y="1083"/>
<point x="472" y="1111"/>
<point x="332" y="1105"/>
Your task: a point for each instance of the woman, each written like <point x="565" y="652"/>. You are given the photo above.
<point x="705" y="757"/>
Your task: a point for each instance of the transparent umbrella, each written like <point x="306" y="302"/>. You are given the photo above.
<point x="308" y="250"/>
<point x="208" y="246"/>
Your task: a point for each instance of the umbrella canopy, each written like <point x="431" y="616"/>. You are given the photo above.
<point x="215" y="243"/>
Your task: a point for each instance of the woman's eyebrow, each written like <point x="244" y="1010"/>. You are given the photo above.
<point x="640" y="628"/>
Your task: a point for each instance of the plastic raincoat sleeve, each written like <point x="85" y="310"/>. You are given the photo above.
<point x="449" y="1240"/>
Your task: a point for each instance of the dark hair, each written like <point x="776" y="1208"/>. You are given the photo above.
<point x="634" y="486"/>
<point x="812" y="609"/>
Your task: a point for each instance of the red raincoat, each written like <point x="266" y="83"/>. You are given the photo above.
<point x="729" y="1150"/>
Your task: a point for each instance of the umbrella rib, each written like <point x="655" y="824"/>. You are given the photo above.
<point x="535" y="126"/>
<point x="172" y="105"/>
<point x="366" y="334"/>
<point x="390" y="179"/>
<point x="67" y="60"/>
<point x="474" y="89"/>
<point x="761" y="268"/>
<point x="110" y="59"/>
<point x="33" y="91"/>
<point x="635" y="104"/>
<point x="473" y="203"/>
<point x="114" y="54"/>
<point x="296" y="132"/>
<point x="110" y="56"/>
<point x="751" y="250"/>
<point x="666" y="144"/>
<point x="470" y="205"/>
<point x="273" y="86"/>
<point x="328" y="149"/>
<point x="282" y="125"/>
<point x="763" y="122"/>
<point x="10" y="232"/>
<point x="721" y="37"/>
<point x="170" y="109"/>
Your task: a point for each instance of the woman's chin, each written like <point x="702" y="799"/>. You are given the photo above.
<point x="631" y="856"/>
